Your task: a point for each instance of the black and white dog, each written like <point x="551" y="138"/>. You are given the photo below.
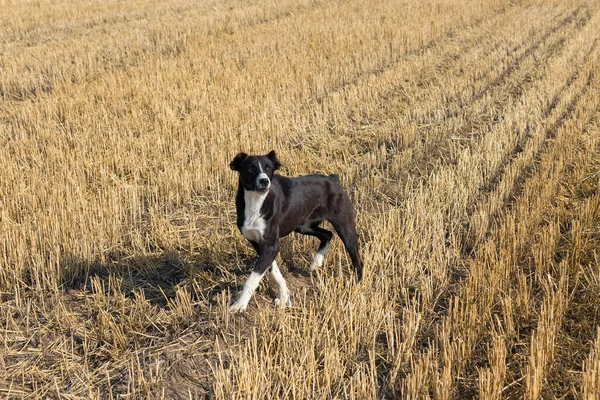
<point x="272" y="206"/>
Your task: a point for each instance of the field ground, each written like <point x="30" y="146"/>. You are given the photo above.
<point x="467" y="134"/>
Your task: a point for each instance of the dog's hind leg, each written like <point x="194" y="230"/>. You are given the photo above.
<point x="284" y="295"/>
<point x="345" y="226"/>
<point x="350" y="238"/>
<point x="324" y="236"/>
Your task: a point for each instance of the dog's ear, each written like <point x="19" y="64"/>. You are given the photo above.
<point x="237" y="161"/>
<point x="273" y="157"/>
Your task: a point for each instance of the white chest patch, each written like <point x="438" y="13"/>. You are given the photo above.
<point x="254" y="224"/>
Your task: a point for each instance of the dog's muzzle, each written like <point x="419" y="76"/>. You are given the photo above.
<point x="262" y="182"/>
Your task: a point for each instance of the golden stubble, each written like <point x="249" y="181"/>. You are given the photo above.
<point x="465" y="132"/>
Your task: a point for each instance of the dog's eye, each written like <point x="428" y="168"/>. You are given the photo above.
<point x="267" y="168"/>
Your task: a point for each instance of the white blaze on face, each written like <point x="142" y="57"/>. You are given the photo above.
<point x="262" y="175"/>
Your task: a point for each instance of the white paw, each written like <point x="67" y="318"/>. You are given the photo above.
<point x="238" y="307"/>
<point x="317" y="262"/>
<point x="282" y="304"/>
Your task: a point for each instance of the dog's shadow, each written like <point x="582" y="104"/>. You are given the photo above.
<point x="157" y="277"/>
<point x="298" y="271"/>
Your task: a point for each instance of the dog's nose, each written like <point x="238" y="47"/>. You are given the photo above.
<point x="263" y="182"/>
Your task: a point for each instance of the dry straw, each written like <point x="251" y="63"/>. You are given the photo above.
<point x="467" y="134"/>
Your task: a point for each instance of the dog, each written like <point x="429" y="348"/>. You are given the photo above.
<point x="271" y="206"/>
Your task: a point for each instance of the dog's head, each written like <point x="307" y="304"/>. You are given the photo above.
<point x="256" y="172"/>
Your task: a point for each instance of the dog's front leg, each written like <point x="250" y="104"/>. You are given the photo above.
<point x="284" y="295"/>
<point x="266" y="256"/>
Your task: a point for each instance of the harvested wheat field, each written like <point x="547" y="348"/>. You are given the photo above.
<point x="467" y="134"/>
